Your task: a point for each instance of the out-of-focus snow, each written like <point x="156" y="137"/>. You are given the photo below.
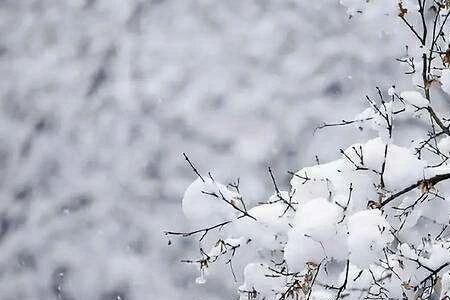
<point x="99" y="98"/>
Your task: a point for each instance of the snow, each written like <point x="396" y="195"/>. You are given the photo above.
<point x="372" y="220"/>
<point x="437" y="255"/>
<point x="415" y="98"/>
<point x="444" y="145"/>
<point x="207" y="202"/>
<point x="99" y="98"/>
<point x="321" y="295"/>
<point x="445" y="80"/>
<point x="372" y="8"/>
<point x="316" y="235"/>
<point x="269" y="231"/>
<point x="368" y="235"/>
<point x="391" y="91"/>
<point x="402" y="166"/>
<point x="445" y="286"/>
<point x="256" y="278"/>
<point x="334" y="178"/>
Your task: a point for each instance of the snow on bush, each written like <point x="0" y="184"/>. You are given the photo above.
<point x="315" y="237"/>
<point x="206" y="201"/>
<point x="100" y="97"/>
<point x="445" y="80"/>
<point x="415" y="99"/>
<point x="368" y="236"/>
<point x="372" y="224"/>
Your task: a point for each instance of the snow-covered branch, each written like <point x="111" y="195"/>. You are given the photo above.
<point x="372" y="224"/>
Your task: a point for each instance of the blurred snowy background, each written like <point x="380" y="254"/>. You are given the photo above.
<point x="99" y="98"/>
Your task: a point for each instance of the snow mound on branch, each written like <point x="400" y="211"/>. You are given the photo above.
<point x="314" y="182"/>
<point x="445" y="286"/>
<point x="321" y="295"/>
<point x="257" y="278"/>
<point x="274" y="215"/>
<point x="368" y="236"/>
<point x="415" y="98"/>
<point x="360" y="166"/>
<point x="269" y="231"/>
<point x="205" y="202"/>
<point x="444" y="145"/>
<point x="316" y="235"/>
<point x="445" y="80"/>
<point x="357" y="278"/>
<point x="431" y="254"/>
<point x="402" y="167"/>
<point x="438" y="254"/>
